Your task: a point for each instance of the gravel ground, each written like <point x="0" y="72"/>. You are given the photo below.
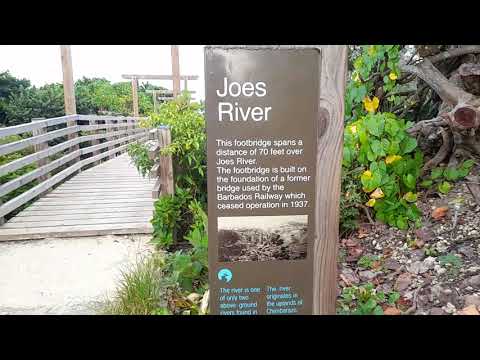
<point x="414" y="262"/>
<point x="64" y="276"/>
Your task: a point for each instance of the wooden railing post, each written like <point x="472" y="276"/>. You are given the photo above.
<point x="163" y="168"/>
<point x="40" y="147"/>
<point x="166" y="165"/>
<point x="109" y="130"/>
<point x="96" y="141"/>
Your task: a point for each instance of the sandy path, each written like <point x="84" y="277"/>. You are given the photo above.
<point x="64" y="276"/>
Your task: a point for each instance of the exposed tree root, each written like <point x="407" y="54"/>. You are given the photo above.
<point x="442" y="153"/>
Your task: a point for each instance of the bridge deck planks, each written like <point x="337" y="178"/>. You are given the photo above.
<point x="111" y="198"/>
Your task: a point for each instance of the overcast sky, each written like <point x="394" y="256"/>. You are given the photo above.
<point x="41" y="64"/>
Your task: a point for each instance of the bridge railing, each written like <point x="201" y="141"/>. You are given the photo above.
<point x="61" y="147"/>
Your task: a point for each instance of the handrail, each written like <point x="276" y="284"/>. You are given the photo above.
<point x="105" y="137"/>
<point x="23" y="128"/>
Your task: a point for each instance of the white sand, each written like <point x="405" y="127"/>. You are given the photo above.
<point x="64" y="276"/>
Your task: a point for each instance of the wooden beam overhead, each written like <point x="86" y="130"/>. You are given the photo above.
<point x="158" y="77"/>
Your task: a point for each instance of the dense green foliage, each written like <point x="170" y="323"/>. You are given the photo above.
<point x="382" y="161"/>
<point x="9" y="86"/>
<point x="173" y="216"/>
<point x="20" y="102"/>
<point x="380" y="146"/>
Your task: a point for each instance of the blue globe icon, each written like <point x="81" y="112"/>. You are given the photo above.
<point x="225" y="275"/>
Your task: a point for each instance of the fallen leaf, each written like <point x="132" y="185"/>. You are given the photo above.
<point x="362" y="232"/>
<point x="391" y="310"/>
<point x="439" y="212"/>
<point x="403" y="303"/>
<point x="469" y="310"/>
<point x="376" y="264"/>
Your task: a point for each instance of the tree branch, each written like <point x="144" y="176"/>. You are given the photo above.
<point x="447" y="91"/>
<point x="464" y="50"/>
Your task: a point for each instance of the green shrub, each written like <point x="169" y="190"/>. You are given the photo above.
<point x="173" y="216"/>
<point x="391" y="163"/>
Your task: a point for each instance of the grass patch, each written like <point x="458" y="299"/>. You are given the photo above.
<point x="140" y="290"/>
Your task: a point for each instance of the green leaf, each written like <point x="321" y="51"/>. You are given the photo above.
<point x="444" y="187"/>
<point x="408" y="145"/>
<point x="426" y="183"/>
<point x="393" y="297"/>
<point x="378" y="310"/>
<point x="409" y="181"/>
<point x="436" y="173"/>
<point x="410" y="197"/>
<point x="451" y="174"/>
<point x="374" y="125"/>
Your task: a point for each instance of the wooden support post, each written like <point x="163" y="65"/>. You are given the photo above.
<point x="109" y="130"/>
<point x="95" y="142"/>
<point x="175" y="70"/>
<point x="328" y="177"/>
<point x="40" y="147"/>
<point x="164" y="185"/>
<point x="135" y="96"/>
<point x="69" y="91"/>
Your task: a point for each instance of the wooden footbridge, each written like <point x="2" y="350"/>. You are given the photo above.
<point x="82" y="182"/>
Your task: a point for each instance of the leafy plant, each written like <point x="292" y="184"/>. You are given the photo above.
<point x="377" y="142"/>
<point x="170" y="217"/>
<point x="391" y="164"/>
<point x="138" y="153"/>
<point x="188" y="146"/>
<point x="364" y="300"/>
<point x="376" y="66"/>
<point x="450" y="260"/>
<point x="368" y="261"/>
<point x="441" y="177"/>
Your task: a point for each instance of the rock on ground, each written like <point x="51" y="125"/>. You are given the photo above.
<point x="64" y="276"/>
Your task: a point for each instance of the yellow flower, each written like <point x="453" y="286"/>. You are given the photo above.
<point x="353" y="129"/>
<point x="392" y="158"/>
<point x="370" y="202"/>
<point x="371" y="105"/>
<point x="377" y="194"/>
<point x="393" y="76"/>
<point x="367" y="174"/>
